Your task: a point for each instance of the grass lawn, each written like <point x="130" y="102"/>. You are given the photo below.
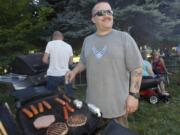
<point x="159" y="119"/>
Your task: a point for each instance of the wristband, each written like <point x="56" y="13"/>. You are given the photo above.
<point x="135" y="95"/>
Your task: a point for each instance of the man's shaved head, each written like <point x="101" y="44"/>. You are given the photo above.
<point x="57" y="35"/>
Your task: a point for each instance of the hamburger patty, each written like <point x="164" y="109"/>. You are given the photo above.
<point x="76" y="120"/>
<point x="44" y="121"/>
<point x="59" y="128"/>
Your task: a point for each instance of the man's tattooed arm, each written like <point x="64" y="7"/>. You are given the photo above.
<point x="136" y="77"/>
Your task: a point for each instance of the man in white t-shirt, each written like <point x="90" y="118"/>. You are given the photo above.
<point x="59" y="55"/>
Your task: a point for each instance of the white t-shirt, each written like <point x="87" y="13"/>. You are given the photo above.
<point x="59" y="55"/>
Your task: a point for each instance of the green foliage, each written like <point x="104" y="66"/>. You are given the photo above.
<point x="150" y="22"/>
<point x="75" y="20"/>
<point x="26" y="25"/>
<point x="21" y="26"/>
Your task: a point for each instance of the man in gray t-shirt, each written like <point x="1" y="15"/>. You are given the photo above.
<point x="113" y="67"/>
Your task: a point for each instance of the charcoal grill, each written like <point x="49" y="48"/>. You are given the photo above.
<point x="29" y="64"/>
<point x="27" y="71"/>
<point x="27" y="124"/>
<point x="28" y="80"/>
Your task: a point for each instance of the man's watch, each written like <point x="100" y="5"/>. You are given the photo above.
<point x="136" y="95"/>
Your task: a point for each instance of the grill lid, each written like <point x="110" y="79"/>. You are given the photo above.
<point x="29" y="64"/>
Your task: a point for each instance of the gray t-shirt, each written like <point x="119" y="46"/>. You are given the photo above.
<point x="109" y="60"/>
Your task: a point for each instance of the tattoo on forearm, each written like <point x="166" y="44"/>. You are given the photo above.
<point x="136" y="73"/>
<point x="137" y="85"/>
<point x="136" y="79"/>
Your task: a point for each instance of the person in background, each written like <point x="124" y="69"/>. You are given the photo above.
<point x="158" y="64"/>
<point x="59" y="55"/>
<point x="159" y="67"/>
<point x="111" y="58"/>
<point x="148" y="73"/>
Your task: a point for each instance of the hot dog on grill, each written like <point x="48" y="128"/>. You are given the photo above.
<point x="28" y="113"/>
<point x="40" y="107"/>
<point x="66" y="98"/>
<point x="62" y="102"/>
<point x="69" y="108"/>
<point x="34" y="110"/>
<point x="46" y="104"/>
<point x="65" y="111"/>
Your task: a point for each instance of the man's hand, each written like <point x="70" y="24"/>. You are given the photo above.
<point x="45" y="58"/>
<point x="69" y="76"/>
<point x="131" y="104"/>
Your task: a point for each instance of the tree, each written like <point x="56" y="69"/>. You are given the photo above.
<point x="152" y="22"/>
<point x="21" y="26"/>
<point x="73" y="20"/>
<point x="28" y="24"/>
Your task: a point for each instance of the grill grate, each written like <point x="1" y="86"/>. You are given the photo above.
<point x="57" y="110"/>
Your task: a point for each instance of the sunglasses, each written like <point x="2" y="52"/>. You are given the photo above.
<point x="103" y="13"/>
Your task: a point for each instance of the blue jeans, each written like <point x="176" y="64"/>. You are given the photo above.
<point x="53" y="82"/>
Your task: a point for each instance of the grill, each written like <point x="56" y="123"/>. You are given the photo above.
<point x="27" y="71"/>
<point x="28" y="80"/>
<point x="57" y="110"/>
<point x="29" y="64"/>
<point x="28" y="83"/>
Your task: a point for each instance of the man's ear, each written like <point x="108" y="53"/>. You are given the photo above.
<point x="92" y="19"/>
